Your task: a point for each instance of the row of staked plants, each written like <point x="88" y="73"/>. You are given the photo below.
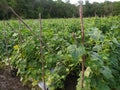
<point x="62" y="51"/>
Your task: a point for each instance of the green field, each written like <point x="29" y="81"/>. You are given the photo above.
<point x="62" y="51"/>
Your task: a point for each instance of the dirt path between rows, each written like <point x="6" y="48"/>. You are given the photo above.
<point x="7" y="82"/>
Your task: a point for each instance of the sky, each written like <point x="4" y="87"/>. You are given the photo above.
<point x="91" y="1"/>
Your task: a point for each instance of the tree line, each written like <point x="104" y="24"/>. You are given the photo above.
<point x="30" y="9"/>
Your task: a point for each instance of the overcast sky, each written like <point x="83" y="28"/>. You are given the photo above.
<point x="91" y="1"/>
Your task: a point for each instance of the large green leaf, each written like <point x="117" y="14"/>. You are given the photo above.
<point x="95" y="34"/>
<point x="103" y="86"/>
<point x="76" y="52"/>
<point x="107" y="73"/>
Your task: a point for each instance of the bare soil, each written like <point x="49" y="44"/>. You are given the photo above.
<point x="7" y="82"/>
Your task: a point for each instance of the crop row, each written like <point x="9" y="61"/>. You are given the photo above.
<point x="62" y="51"/>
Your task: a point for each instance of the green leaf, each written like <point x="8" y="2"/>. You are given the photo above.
<point x="96" y="57"/>
<point x="87" y="71"/>
<point x="15" y="34"/>
<point x="76" y="52"/>
<point x="115" y="41"/>
<point x="97" y="48"/>
<point x="34" y="83"/>
<point x="107" y="73"/>
<point x="95" y="34"/>
<point x="103" y="86"/>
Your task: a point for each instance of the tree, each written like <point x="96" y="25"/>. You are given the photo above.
<point x="56" y="9"/>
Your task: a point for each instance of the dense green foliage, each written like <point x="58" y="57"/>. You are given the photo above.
<point x="63" y="36"/>
<point x="56" y="9"/>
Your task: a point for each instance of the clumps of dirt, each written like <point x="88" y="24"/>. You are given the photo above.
<point x="7" y="82"/>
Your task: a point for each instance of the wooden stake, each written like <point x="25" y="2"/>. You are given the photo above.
<point x="82" y="31"/>
<point x="49" y="49"/>
<point x="41" y="53"/>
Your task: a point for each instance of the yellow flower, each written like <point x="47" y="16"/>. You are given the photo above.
<point x="16" y="47"/>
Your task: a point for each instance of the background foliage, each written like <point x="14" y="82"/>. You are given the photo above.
<point x="29" y="9"/>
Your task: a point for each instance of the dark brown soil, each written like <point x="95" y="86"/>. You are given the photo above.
<point x="7" y="82"/>
<point x="71" y="79"/>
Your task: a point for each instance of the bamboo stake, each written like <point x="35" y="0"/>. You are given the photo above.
<point x="49" y="49"/>
<point x="41" y="52"/>
<point x="22" y="20"/>
<point x="82" y="30"/>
